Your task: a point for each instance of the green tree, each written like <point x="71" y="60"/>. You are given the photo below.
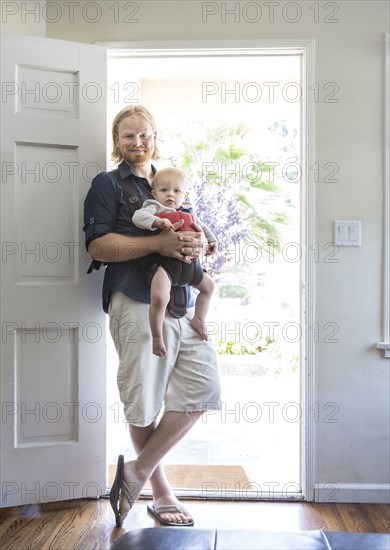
<point x="232" y="191"/>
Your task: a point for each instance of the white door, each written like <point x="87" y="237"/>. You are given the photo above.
<point x="53" y="328"/>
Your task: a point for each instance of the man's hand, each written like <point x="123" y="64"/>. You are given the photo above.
<point x="182" y="245"/>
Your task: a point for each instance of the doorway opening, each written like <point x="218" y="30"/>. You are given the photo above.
<point x="233" y="121"/>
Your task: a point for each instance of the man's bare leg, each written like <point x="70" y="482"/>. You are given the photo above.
<point x="162" y="491"/>
<point x="152" y="443"/>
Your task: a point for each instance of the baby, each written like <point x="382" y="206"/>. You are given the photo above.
<point x="170" y="192"/>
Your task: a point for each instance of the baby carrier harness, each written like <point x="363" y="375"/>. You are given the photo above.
<point x="177" y="305"/>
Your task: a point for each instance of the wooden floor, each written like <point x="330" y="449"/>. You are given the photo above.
<point x="89" y="524"/>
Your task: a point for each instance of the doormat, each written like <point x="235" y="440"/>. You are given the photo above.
<point x="211" y="478"/>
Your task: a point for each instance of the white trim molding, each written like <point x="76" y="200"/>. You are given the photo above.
<point x="384" y="345"/>
<point x="206" y="47"/>
<point x="362" y="493"/>
<point x="308" y="272"/>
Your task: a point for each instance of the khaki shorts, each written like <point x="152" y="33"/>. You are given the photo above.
<point x="186" y="380"/>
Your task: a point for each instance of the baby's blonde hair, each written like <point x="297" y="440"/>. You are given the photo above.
<point x="169" y="169"/>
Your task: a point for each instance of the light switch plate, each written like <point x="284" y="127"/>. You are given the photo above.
<point x="347" y="233"/>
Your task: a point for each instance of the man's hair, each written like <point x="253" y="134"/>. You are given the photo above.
<point x="132" y="110"/>
<point x="169" y="169"/>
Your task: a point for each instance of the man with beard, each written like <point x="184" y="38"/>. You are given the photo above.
<point x="186" y="380"/>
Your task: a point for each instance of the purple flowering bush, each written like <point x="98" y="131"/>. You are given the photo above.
<point x="218" y="208"/>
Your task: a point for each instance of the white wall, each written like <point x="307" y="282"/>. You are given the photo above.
<point x="352" y="447"/>
<point x="24" y="17"/>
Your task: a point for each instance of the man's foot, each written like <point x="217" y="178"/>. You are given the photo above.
<point x="126" y="489"/>
<point x="168" y="511"/>
<point x="159" y="346"/>
<point x="200" y="327"/>
<point x="134" y="482"/>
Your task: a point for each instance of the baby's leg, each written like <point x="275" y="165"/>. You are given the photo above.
<point x="202" y="304"/>
<point x="160" y="289"/>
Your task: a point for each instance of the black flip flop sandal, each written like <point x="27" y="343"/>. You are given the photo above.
<point x="116" y="490"/>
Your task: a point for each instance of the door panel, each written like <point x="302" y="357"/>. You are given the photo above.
<point x="53" y="327"/>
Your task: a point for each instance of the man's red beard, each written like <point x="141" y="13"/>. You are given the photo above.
<point x="132" y="158"/>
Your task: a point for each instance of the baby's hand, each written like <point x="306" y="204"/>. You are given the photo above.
<point x="212" y="249"/>
<point x="163" y="223"/>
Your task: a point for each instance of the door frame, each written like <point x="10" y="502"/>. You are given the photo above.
<point x="305" y="48"/>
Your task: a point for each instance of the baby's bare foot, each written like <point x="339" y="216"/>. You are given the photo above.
<point x="159" y="348"/>
<point x="200" y="327"/>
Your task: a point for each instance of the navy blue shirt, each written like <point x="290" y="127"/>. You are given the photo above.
<point x="106" y="211"/>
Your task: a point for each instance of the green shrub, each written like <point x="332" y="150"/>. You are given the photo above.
<point x="230" y="347"/>
<point x="232" y="291"/>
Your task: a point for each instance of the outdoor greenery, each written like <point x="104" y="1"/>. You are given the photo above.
<point x="232" y="291"/>
<point x="231" y="347"/>
<point x="231" y="192"/>
<point x="282" y="361"/>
